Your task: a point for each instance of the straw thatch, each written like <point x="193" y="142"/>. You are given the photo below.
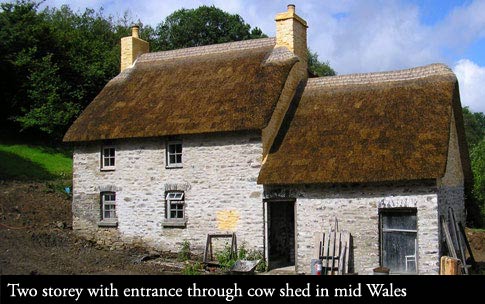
<point x="368" y="128"/>
<point x="227" y="87"/>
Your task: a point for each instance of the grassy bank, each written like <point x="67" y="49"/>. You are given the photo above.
<point x="32" y="162"/>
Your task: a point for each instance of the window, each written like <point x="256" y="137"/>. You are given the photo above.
<point x="108" y="207"/>
<point x="174" y="210"/>
<point x="175" y="205"/>
<point x="174" y="154"/>
<point x="398" y="240"/>
<point x="108" y="158"/>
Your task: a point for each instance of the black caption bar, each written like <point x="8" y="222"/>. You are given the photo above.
<point x="237" y="289"/>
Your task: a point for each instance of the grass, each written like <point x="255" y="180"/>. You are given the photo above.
<point x="28" y="162"/>
<point x="477" y="229"/>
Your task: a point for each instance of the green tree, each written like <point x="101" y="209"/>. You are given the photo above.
<point x="53" y="63"/>
<point x="477" y="156"/>
<point x="201" y="26"/>
<point x="474" y="126"/>
<point x="319" y="68"/>
<point x="24" y="38"/>
<point x="475" y="134"/>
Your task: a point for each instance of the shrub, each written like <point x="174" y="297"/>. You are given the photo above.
<point x="192" y="268"/>
<point x="184" y="253"/>
<point x="226" y="261"/>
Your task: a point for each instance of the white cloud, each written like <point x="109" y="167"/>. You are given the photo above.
<point x="463" y="25"/>
<point x="471" y="78"/>
<point x="374" y="37"/>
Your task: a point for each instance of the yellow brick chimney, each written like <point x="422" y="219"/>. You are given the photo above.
<point x="291" y="32"/>
<point x="132" y="47"/>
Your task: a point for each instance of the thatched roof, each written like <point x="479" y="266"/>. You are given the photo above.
<point x="225" y="87"/>
<point x="368" y="128"/>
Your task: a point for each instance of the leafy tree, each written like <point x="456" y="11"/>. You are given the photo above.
<point x="478" y="167"/>
<point x="474" y="126"/>
<point x="477" y="156"/>
<point x="53" y="63"/>
<point x="201" y="26"/>
<point x="319" y="68"/>
<point x="24" y="38"/>
<point x="475" y="135"/>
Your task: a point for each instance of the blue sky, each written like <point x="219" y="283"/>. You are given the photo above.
<point x="358" y="36"/>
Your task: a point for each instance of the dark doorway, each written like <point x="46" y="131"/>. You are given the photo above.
<point x="281" y="234"/>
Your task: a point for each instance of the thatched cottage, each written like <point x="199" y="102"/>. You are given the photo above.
<point x="237" y="137"/>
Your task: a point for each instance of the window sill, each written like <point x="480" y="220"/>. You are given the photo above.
<point x="105" y="223"/>
<point x="177" y="223"/>
<point x="108" y="169"/>
<point x="176" y="166"/>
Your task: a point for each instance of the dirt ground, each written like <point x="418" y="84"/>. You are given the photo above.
<point x="36" y="237"/>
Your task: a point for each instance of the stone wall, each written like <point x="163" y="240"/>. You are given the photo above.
<point x="357" y="210"/>
<point x="218" y="176"/>
<point x="451" y="191"/>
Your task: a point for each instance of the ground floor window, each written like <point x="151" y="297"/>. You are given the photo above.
<point x="398" y="229"/>
<point x="108" y="206"/>
<point x="175" y="205"/>
<point x="174" y="210"/>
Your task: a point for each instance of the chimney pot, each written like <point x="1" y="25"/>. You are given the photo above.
<point x="291" y="8"/>
<point x="135" y="31"/>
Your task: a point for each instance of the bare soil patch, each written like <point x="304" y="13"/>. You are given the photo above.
<point x="36" y="238"/>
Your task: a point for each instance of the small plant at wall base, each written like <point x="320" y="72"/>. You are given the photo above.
<point x="226" y="261"/>
<point x="192" y="268"/>
<point x="184" y="253"/>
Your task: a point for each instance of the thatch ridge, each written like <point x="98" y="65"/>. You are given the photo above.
<point x="395" y="127"/>
<point x="208" y="49"/>
<point x="381" y="77"/>
<point x="207" y="93"/>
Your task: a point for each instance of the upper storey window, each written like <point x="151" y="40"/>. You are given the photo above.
<point x="174" y="154"/>
<point x="108" y="158"/>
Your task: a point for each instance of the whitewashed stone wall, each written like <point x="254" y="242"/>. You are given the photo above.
<point x="218" y="176"/>
<point x="357" y="211"/>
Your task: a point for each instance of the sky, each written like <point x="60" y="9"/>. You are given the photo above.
<point x="357" y="36"/>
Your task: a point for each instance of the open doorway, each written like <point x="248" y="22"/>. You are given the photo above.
<point x="281" y="233"/>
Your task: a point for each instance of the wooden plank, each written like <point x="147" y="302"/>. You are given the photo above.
<point x="318" y="238"/>
<point x="332" y="251"/>
<point x="449" y="242"/>
<point x="468" y="247"/>
<point x="337" y="253"/>
<point x="454" y="226"/>
<point x="235" y="244"/>
<point x="449" y="266"/>
<point x="206" y="250"/>
<point x="341" y="269"/>
<point x="347" y="240"/>
<point x="326" y="251"/>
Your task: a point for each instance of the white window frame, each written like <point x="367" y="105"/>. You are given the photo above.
<point x="175" y="198"/>
<point x="111" y="202"/>
<point x="175" y="164"/>
<point x="109" y="157"/>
